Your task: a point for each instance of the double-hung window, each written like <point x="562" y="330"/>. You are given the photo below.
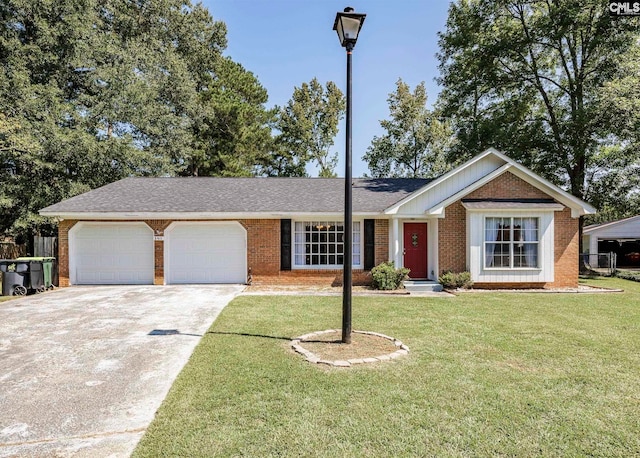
<point x="321" y="244"/>
<point x="511" y="242"/>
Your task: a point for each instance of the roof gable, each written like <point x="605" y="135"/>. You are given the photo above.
<point x="433" y="198"/>
<point x="620" y="227"/>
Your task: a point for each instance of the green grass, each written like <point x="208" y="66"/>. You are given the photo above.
<point x="488" y="375"/>
<point x="6" y="298"/>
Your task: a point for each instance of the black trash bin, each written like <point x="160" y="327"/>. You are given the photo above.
<point x="15" y="277"/>
<point x="40" y="270"/>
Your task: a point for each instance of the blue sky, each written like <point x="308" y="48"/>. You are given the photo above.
<point x="288" y="42"/>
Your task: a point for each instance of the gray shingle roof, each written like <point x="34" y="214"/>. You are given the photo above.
<point x="238" y="195"/>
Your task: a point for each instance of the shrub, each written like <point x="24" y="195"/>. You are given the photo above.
<point x="628" y="275"/>
<point x="386" y="277"/>
<point x="452" y="280"/>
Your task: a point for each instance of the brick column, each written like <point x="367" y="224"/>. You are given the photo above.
<point x="63" y="251"/>
<point x="158" y="227"/>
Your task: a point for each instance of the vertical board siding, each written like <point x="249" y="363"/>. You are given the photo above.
<point x="451" y="186"/>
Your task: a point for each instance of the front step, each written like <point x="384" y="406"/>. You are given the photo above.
<point x="422" y="286"/>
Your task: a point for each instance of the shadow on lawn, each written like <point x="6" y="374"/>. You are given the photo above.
<point x="244" y="334"/>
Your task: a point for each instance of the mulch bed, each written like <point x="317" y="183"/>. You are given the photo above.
<point x="330" y="347"/>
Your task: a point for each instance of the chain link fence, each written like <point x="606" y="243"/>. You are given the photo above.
<point x="602" y="263"/>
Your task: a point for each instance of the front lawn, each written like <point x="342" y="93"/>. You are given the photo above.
<point x="488" y="374"/>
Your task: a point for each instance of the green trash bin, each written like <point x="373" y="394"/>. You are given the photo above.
<point x="42" y="269"/>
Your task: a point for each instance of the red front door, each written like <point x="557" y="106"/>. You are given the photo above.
<point x="415" y="249"/>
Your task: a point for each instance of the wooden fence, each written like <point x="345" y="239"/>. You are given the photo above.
<point x="9" y="250"/>
<point x="45" y="246"/>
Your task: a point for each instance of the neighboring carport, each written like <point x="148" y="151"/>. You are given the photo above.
<point x="83" y="369"/>
<point x="621" y="237"/>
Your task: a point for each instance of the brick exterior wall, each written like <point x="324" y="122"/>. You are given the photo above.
<point x="452" y="233"/>
<point x="566" y="250"/>
<point x="381" y="241"/>
<point x="263" y="244"/>
<point x="331" y="277"/>
<point x="452" y="239"/>
<point x="263" y="254"/>
<point x="63" y="251"/>
<point x="158" y="226"/>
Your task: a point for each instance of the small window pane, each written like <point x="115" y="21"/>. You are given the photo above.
<point x="526" y="255"/>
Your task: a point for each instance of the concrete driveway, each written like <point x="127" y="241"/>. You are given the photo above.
<point x="84" y="369"/>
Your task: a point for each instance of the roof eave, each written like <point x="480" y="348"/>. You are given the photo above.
<point x="62" y="215"/>
<point x="595" y="227"/>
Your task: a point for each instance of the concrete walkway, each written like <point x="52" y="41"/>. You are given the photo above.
<point x="84" y="369"/>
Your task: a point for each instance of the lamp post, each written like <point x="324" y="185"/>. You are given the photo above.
<point x="348" y="25"/>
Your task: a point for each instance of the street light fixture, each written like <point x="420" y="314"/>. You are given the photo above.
<point x="348" y="25"/>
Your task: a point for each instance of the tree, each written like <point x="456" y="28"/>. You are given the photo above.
<point x="92" y="91"/>
<point x="231" y="126"/>
<point x="307" y="127"/>
<point x="527" y="78"/>
<point x="614" y="185"/>
<point x="615" y="174"/>
<point x="415" y="143"/>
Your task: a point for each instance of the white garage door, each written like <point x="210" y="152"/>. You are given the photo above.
<point x="205" y="253"/>
<point x="111" y="254"/>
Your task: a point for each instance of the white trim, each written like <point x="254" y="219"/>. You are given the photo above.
<point x="73" y="274"/>
<point x="173" y="225"/>
<point x="185" y="216"/>
<point x="515" y="206"/>
<point x="395" y="243"/>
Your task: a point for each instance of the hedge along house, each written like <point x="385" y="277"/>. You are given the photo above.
<point x="490" y="216"/>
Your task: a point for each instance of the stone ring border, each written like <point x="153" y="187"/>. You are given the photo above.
<point x="315" y="359"/>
